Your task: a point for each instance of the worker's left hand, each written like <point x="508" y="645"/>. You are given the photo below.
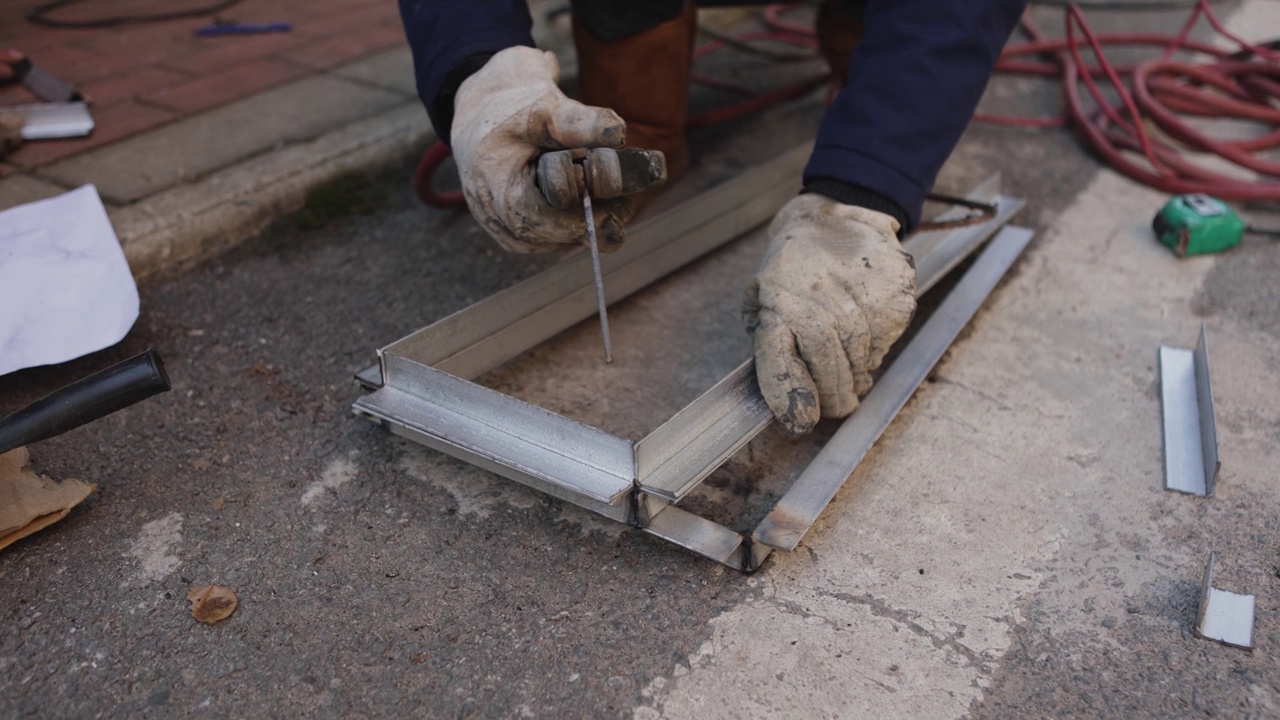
<point x="833" y="293"/>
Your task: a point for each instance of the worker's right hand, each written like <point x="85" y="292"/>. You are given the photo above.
<point x="506" y="115"/>
<point x="834" y="292"/>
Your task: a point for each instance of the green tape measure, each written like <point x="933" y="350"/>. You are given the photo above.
<point x="1198" y="225"/>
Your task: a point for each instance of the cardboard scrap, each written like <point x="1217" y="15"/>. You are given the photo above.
<point x="30" y="502"/>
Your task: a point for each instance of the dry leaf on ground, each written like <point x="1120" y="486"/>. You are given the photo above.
<point x="211" y="603"/>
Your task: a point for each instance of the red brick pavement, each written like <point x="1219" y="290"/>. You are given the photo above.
<point x="139" y="77"/>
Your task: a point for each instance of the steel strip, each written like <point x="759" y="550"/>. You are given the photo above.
<point x="796" y="512"/>
<point x="951" y="249"/>
<point x="703" y="537"/>
<point x="685" y="450"/>
<point x="921" y="244"/>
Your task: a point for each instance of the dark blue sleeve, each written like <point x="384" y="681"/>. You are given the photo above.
<point x="445" y="34"/>
<point x="914" y="82"/>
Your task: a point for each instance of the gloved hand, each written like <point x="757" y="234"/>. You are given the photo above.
<point x="507" y="114"/>
<point x="834" y="291"/>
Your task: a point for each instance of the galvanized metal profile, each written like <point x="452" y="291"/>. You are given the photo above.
<point x="1225" y="617"/>
<point x="397" y="412"/>
<point x="678" y="455"/>
<point x="684" y="450"/>
<point x="1190" y="433"/>
<point x="795" y="513"/>
<point x="533" y="444"/>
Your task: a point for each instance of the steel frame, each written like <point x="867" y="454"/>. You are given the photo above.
<point x="422" y="385"/>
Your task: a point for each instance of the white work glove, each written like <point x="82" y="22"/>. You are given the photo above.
<point x="834" y="291"/>
<point x="506" y="115"/>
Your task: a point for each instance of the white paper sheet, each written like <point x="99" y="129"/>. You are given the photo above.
<point x="65" y="288"/>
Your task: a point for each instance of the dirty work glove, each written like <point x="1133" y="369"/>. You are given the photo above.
<point x="506" y="115"/>
<point x="834" y="291"/>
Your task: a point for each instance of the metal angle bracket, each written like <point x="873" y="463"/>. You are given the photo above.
<point x="1190" y="434"/>
<point x="1224" y="617"/>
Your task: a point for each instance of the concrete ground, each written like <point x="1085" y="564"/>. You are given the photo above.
<point x="1007" y="550"/>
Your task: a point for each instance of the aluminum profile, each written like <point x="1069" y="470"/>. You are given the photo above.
<point x="1190" y="433"/>
<point x="422" y="388"/>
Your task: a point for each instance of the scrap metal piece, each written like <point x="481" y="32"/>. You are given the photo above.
<point x="796" y="512"/>
<point x="1224" y="617"/>
<point x="1190" y="434"/>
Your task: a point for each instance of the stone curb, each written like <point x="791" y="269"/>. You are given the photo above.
<point x="174" y="230"/>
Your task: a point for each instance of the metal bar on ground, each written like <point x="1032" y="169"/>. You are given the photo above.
<point x="1190" y="433"/>
<point x="796" y="512"/>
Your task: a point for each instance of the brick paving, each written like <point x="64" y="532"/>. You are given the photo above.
<point x="139" y="77"/>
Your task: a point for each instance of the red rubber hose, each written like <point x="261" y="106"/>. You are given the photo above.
<point x="425" y="175"/>
<point x="1163" y="93"/>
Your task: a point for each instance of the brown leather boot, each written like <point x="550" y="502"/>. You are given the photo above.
<point x="840" y="29"/>
<point x="645" y="79"/>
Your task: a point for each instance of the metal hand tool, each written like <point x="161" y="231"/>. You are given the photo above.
<point x="569" y="177"/>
